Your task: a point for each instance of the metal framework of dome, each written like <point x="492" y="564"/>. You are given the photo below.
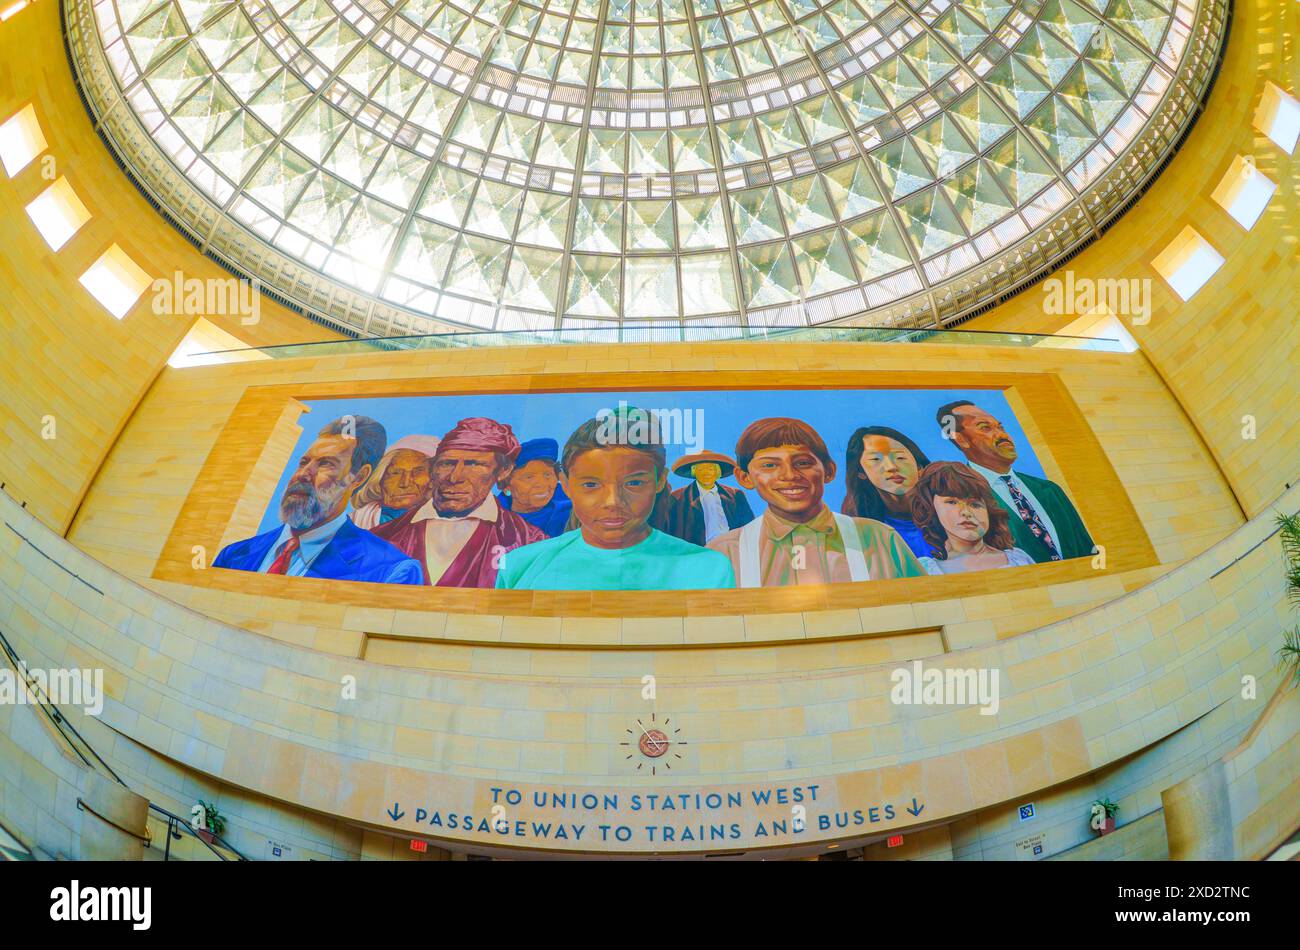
<point x="414" y="166"/>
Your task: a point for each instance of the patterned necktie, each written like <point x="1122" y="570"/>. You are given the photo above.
<point x="1030" y="517"/>
<point x="281" y="563"/>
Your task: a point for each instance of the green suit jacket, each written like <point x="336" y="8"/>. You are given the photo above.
<point x="1074" y="537"/>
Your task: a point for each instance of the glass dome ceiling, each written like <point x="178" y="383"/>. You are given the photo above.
<point x="507" y="164"/>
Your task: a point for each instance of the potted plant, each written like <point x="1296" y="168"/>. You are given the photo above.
<point x="1289" y="653"/>
<point x="208" y="823"/>
<point x="1103" y="815"/>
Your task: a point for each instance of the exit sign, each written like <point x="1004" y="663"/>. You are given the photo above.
<point x="893" y="841"/>
<point x="420" y="846"/>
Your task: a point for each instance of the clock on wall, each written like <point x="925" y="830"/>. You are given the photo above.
<point x="653" y="744"/>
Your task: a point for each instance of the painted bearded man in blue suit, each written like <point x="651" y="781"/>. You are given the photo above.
<point x="317" y="538"/>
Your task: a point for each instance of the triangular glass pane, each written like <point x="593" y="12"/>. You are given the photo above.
<point x="821" y="118"/>
<point x="1019" y="168"/>
<point x="738" y="142"/>
<point x="647" y="153"/>
<point x="479" y="267"/>
<point x="977" y="197"/>
<point x="877" y="246"/>
<point x="863" y="100"/>
<point x="700" y="222"/>
<point x="930" y="60"/>
<point x="781" y="132"/>
<point x="239" y="145"/>
<point x="447" y="196"/>
<point x="598" y="225"/>
<point x="651" y="284"/>
<point x="595" y="286"/>
<point x="425" y="252"/>
<point x="280" y="180"/>
<point x="155" y="36"/>
<point x="767" y="275"/>
<point x="824" y="263"/>
<point x="1061" y="133"/>
<point x="852" y="190"/>
<point x="930" y="223"/>
<point x="692" y="150"/>
<point x="1094" y="99"/>
<point x="279" y="100"/>
<point x="805" y="204"/>
<point x="962" y="31"/>
<point x="534" y="279"/>
<point x="942" y="145"/>
<point x="901" y="168"/>
<point x="755" y="215"/>
<point x="650" y="225"/>
<point x="543" y="219"/>
<point x="1140" y="20"/>
<point x="981" y="118"/>
<point x="708" y="284"/>
<point x="178" y="76"/>
<point x="1017" y="85"/>
<point x="495" y="208"/>
<point x="223" y="37"/>
<point x="323" y="207"/>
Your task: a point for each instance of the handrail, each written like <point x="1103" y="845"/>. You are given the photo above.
<point x="64" y="727"/>
<point x="51" y="711"/>
<point x="667" y="333"/>
<point x="176" y="822"/>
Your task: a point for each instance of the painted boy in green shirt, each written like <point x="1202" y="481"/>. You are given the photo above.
<point x="613" y="468"/>
<point x="799" y="540"/>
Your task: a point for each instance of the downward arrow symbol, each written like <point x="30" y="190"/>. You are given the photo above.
<point x="915" y="809"/>
<point x="396" y="812"/>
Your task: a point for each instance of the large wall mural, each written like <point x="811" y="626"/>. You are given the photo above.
<point x="661" y="491"/>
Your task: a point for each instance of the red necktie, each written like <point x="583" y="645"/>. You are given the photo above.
<point x="281" y="563"/>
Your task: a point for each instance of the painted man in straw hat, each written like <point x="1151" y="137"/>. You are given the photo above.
<point x="705" y="509"/>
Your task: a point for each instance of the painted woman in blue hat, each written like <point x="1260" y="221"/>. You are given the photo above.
<point x="533" y="491"/>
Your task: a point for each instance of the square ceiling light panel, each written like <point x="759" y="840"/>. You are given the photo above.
<point x="1188" y="263"/>
<point x="1278" y="117"/>
<point x="58" y="213"/>
<point x="1244" y="191"/>
<point x="21" y="140"/>
<point x="116" y="281"/>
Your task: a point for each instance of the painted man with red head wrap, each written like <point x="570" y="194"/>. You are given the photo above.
<point x="461" y="534"/>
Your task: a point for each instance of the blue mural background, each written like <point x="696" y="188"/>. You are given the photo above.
<point x="835" y="414"/>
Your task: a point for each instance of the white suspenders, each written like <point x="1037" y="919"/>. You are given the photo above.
<point x="750" y="570"/>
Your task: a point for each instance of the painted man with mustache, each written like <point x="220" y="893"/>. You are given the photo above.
<point x="799" y="540"/>
<point x="460" y="535"/>
<point x="317" y="539"/>
<point x="1044" y="523"/>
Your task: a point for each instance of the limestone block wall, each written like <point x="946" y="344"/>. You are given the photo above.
<point x="269" y="718"/>
<point x="1246" y="803"/>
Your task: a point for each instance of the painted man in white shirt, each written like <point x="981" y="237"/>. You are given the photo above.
<point x="704" y="509"/>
